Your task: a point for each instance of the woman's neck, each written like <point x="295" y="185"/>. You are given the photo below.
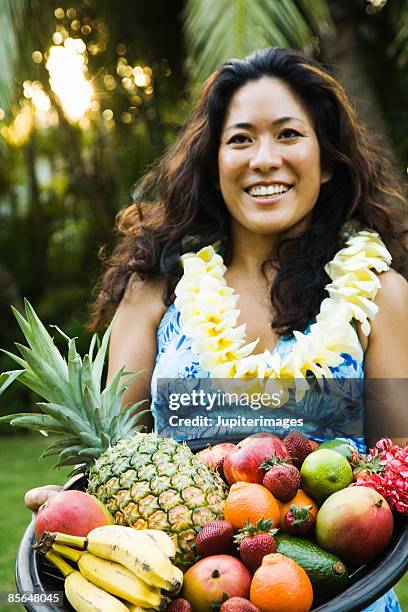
<point x="249" y="251"/>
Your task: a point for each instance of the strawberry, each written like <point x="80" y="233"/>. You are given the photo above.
<point x="299" y="446"/>
<point x="368" y="465"/>
<point x="255" y="541"/>
<point x="215" y="538"/>
<point x="238" y="604"/>
<point x="282" y="479"/>
<point x="298" y="521"/>
<point x="179" y="605"/>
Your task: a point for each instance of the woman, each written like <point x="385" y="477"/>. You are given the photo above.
<point x="278" y="120"/>
<point x="270" y="167"/>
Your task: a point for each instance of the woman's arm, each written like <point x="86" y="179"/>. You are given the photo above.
<point x="386" y="362"/>
<point x="133" y="341"/>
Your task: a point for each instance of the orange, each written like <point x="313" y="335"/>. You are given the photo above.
<point x="281" y="584"/>
<point x="249" y="502"/>
<point x="301" y="500"/>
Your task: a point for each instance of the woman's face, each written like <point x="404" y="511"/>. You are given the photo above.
<point x="269" y="159"/>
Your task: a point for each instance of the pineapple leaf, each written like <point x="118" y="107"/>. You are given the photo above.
<point x="115" y="431"/>
<point x="65" y="415"/>
<point x="58" y="387"/>
<point x="97" y="421"/>
<point x="110" y="394"/>
<point x="63" y="334"/>
<point x="105" y="439"/>
<point x="100" y="358"/>
<point x="129" y="424"/>
<point x="67" y="461"/>
<point x="38" y="422"/>
<point x="24" y="325"/>
<point x="131" y="376"/>
<point x="89" y="439"/>
<point x="86" y="373"/>
<point x="71" y="451"/>
<point x="74" y="374"/>
<point x="95" y="342"/>
<point x="56" y="447"/>
<point x="89" y="404"/>
<point x="30" y="380"/>
<point x="6" y="378"/>
<point x="40" y="340"/>
<point x="89" y="452"/>
<point x="9" y="417"/>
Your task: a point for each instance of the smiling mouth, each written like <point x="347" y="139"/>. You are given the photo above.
<point x="262" y="191"/>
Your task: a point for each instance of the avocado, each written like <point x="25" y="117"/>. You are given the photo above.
<point x="327" y="573"/>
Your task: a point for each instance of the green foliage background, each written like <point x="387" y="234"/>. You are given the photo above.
<point x="61" y="188"/>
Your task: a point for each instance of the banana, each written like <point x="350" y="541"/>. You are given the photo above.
<point x="118" y="580"/>
<point x="86" y="597"/>
<point x="137" y="551"/>
<point x="133" y="608"/>
<point x="163" y="541"/>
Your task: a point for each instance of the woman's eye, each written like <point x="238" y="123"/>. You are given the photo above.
<point x="239" y="139"/>
<point x="289" y="133"/>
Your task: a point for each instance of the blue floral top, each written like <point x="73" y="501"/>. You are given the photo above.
<point x="335" y="411"/>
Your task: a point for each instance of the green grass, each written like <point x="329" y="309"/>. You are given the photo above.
<point x="21" y="469"/>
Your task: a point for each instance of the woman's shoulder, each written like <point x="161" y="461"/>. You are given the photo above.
<point x="144" y="298"/>
<point x="393" y="284"/>
<point x="133" y="339"/>
<point x="392" y="299"/>
<point x="387" y="350"/>
<point x="392" y="303"/>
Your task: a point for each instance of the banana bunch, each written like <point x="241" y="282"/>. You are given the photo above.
<point x="116" y="562"/>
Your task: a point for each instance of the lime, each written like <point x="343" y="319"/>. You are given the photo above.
<point x="324" y="472"/>
<point x="340" y="446"/>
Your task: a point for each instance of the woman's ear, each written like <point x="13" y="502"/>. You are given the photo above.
<point x="326" y="175"/>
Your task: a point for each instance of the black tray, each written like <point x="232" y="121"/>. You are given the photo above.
<point x="366" y="584"/>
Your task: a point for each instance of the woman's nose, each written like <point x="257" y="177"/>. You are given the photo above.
<point x="266" y="156"/>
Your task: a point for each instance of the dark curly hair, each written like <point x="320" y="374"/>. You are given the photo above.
<point x="178" y="206"/>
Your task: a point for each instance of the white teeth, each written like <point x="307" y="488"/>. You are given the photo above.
<point x="267" y="190"/>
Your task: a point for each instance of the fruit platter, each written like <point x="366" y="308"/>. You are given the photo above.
<point x="345" y="588"/>
<point x="259" y="524"/>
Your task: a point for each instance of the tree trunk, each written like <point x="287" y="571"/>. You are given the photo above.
<point x="344" y="57"/>
<point x="36" y="229"/>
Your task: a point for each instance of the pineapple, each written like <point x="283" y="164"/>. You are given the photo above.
<point x="145" y="481"/>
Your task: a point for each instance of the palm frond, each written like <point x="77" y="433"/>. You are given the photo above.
<point x="399" y="46"/>
<point x="217" y="30"/>
<point x="19" y="41"/>
<point x="11" y="18"/>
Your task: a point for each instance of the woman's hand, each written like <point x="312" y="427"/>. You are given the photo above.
<point x="34" y="498"/>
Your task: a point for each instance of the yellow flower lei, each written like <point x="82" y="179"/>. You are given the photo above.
<point x="209" y="315"/>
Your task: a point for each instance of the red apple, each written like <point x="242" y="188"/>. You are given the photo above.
<point x="72" y="512"/>
<point x="242" y="464"/>
<point x="211" y="455"/>
<point x="209" y="580"/>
